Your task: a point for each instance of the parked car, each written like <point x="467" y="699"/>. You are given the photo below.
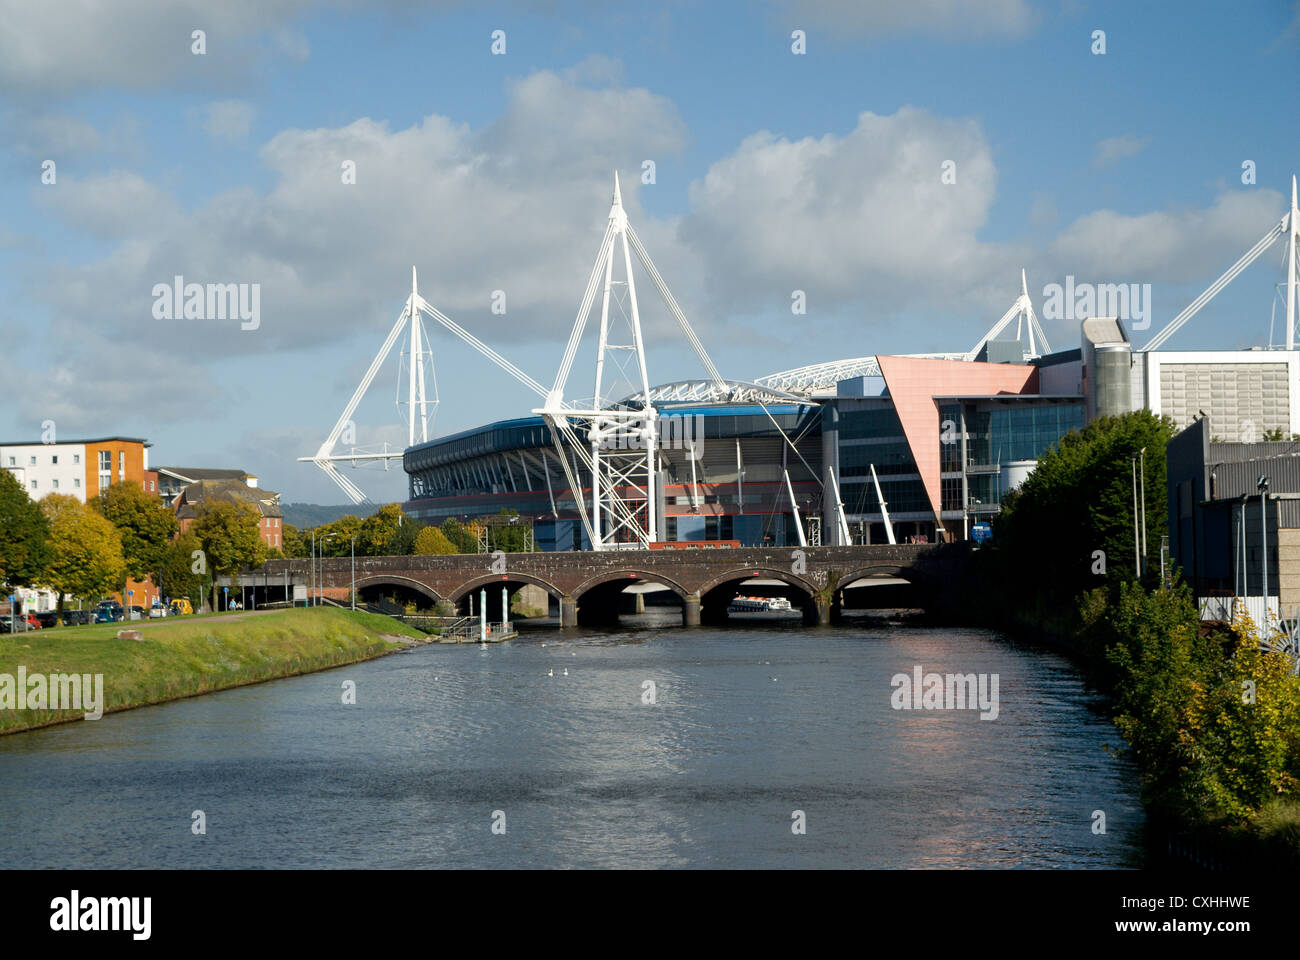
<point x="181" y="607"/>
<point x="12" y="624"/>
<point x="32" y="622"/>
<point x="48" y="619"/>
<point x="110" y="611"/>
<point x="137" y="612"/>
<point x="75" y="618"/>
<point x="157" y="610"/>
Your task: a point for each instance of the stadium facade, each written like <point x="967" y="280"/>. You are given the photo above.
<point x="947" y="436"/>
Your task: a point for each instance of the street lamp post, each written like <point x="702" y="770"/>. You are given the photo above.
<point x="1137" y="559"/>
<point x="1262" y="487"/>
<point x="353" y="592"/>
<point x="1142" y="481"/>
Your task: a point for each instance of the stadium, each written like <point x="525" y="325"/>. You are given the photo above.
<point x="915" y="448"/>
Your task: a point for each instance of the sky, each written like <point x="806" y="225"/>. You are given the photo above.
<point x="899" y="172"/>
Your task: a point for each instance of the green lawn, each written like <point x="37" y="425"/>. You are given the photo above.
<point x="183" y="656"/>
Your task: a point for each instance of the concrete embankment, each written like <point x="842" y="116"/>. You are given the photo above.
<point x="177" y="658"/>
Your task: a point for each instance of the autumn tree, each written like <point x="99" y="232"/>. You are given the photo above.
<point x="146" y="525"/>
<point x="230" y="536"/>
<point x="433" y="542"/>
<point x="292" y="543"/>
<point x="335" y="539"/>
<point x="24" y="532"/>
<point x="85" y="550"/>
<point x="379" y="531"/>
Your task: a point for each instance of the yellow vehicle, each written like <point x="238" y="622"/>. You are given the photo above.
<point x="181" y="606"/>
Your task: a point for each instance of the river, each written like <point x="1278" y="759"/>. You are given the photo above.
<point x="462" y="757"/>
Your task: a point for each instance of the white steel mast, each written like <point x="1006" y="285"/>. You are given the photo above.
<point x="621" y="451"/>
<point x="419" y="406"/>
<point x="1291" y="278"/>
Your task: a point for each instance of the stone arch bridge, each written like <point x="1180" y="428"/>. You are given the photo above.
<point x="589" y="586"/>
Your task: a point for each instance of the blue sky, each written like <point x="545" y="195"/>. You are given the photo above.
<point x="774" y="172"/>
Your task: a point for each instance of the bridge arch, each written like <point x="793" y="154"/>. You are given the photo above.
<point x="740" y="574"/>
<point x="717" y="593"/>
<point x="901" y="571"/>
<point x="629" y="577"/>
<point x="600" y="599"/>
<point x="500" y="579"/>
<point x="402" y="583"/>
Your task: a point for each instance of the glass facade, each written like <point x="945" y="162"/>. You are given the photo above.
<point x="996" y="432"/>
<point x="1020" y="431"/>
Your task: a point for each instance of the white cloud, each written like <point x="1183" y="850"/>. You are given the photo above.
<point x="1185" y="246"/>
<point x="120" y="205"/>
<point x="229" y="119"/>
<point x="864" y="217"/>
<point x="1114" y="149"/>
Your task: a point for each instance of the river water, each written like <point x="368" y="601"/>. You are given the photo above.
<point x="750" y="723"/>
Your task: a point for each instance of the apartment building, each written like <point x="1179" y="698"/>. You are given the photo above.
<point x="79" y="468"/>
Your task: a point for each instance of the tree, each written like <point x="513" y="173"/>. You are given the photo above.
<point x="403" y="545"/>
<point x="292" y="543"/>
<point x="433" y="542"/>
<point x="513" y="538"/>
<point x="146" y="526"/>
<point x="24" y="534"/>
<point x="231" y="539"/>
<point x="85" y="550"/>
<point x="177" y="576"/>
<point x="464" y="537"/>
<point x="1248" y="724"/>
<point x="343" y="530"/>
<point x="379" y="531"/>
<point x="1079" y="500"/>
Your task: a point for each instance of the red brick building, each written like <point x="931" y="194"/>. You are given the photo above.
<point x="192" y="498"/>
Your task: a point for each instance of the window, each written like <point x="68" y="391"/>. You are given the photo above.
<point x="76" y="482"/>
<point x="54" y="459"/>
<point x="55" y="484"/>
<point x="12" y="462"/>
<point x="121" y="464"/>
<point x="105" y="461"/>
<point x="76" y="458"/>
<point x="32" y="461"/>
<point x="33" y="484"/>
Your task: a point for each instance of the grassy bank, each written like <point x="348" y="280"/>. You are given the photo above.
<point x="186" y="656"/>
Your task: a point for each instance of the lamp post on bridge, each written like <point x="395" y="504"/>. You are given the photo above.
<point x="320" y="576"/>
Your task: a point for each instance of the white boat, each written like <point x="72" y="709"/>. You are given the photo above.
<point x="758" y="604"/>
